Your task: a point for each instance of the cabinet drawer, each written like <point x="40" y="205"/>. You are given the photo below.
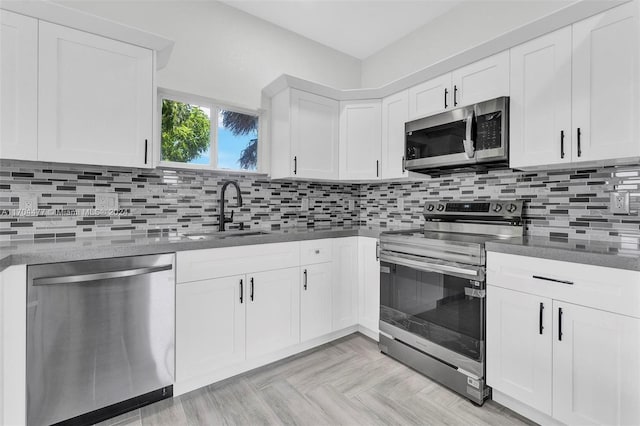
<point x="315" y="251"/>
<point x="197" y="265"/>
<point x="609" y="289"/>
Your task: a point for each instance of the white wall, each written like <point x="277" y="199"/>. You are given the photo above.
<point x="464" y="26"/>
<point x="226" y="54"/>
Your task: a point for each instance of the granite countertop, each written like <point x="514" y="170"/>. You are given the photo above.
<point x="618" y="255"/>
<point x="61" y="250"/>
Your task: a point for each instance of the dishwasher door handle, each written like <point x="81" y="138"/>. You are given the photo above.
<point x="72" y="279"/>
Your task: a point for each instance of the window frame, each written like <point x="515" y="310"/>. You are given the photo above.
<point x="215" y="107"/>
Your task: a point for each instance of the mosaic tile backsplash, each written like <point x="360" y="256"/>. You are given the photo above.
<point x="159" y="201"/>
<point x="563" y="204"/>
<point x="572" y="204"/>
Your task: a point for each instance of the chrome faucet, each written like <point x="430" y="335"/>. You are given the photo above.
<point x="223" y="219"/>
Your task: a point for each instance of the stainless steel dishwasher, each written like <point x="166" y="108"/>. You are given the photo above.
<point x="100" y="337"/>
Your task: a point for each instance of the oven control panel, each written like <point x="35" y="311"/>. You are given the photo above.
<point x="487" y="209"/>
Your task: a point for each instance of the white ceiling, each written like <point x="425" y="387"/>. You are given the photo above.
<point x="356" y="27"/>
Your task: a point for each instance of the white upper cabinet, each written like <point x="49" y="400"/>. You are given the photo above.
<point x="540" y="104"/>
<point x="482" y="80"/>
<point x="95" y="99"/>
<point x="360" y="139"/>
<point x="304" y="135"/>
<point x="575" y="93"/>
<point x="430" y="97"/>
<point x="18" y="86"/>
<point x="606" y="79"/>
<point x="395" y="113"/>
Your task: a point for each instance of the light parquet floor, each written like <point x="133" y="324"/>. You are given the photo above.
<point x="346" y="382"/>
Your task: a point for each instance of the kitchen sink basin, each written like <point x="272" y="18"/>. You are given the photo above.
<point x="231" y="234"/>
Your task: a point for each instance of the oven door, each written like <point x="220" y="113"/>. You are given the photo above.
<point x="463" y="136"/>
<point x="435" y="307"/>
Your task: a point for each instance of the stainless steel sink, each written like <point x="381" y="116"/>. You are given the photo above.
<point x="226" y="234"/>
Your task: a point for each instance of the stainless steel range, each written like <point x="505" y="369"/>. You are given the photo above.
<point x="432" y="290"/>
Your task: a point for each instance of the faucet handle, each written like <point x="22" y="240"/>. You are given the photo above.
<point x="229" y="220"/>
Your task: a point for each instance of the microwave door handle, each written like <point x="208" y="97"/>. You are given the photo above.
<point x="469" y="143"/>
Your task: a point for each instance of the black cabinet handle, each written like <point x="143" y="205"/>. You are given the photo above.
<point x="403" y="168"/>
<point x="377" y="168"/>
<point x="541" y="327"/>
<point x="579" y="142"/>
<point x="561" y="143"/>
<point x="455" y="95"/>
<point x="251" y="295"/>
<point x="538" y="277"/>
<point x="305" y="279"/>
<point x="560" y="324"/>
<point x="295" y="165"/>
<point x="146" y="149"/>
<point x="241" y="292"/>
<point x="446" y="92"/>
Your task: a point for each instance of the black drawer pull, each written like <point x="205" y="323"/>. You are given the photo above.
<point x="560" y="324"/>
<point x="538" y="277"/>
<point x="541" y="327"/>
<point x="241" y="292"/>
<point x="446" y="92"/>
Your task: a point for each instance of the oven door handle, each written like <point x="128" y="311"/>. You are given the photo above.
<point x="428" y="266"/>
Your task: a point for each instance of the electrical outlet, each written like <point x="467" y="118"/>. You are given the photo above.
<point x="305" y="204"/>
<point x="28" y="204"/>
<point x="619" y="202"/>
<point x="352" y="205"/>
<point x="400" y="203"/>
<point x="107" y="201"/>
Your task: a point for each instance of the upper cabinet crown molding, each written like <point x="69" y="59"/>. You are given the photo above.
<point x="563" y="17"/>
<point x="62" y="15"/>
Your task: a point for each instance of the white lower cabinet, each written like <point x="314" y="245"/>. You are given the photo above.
<point x="345" y="282"/>
<point x="315" y="301"/>
<point x="553" y="359"/>
<point x="273" y="311"/>
<point x="369" y="286"/>
<point x="596" y="366"/>
<point x="519" y="339"/>
<point x="210" y="325"/>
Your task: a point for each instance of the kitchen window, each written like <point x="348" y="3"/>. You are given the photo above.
<point x="198" y="132"/>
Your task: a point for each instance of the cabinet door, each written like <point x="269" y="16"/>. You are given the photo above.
<point x="95" y="99"/>
<point x="430" y="97"/>
<point x="596" y="366"/>
<point x="606" y="92"/>
<point x="273" y="311"/>
<point x="482" y="80"/>
<point x="18" y="86"/>
<point x="519" y="345"/>
<point x="360" y="139"/>
<point x="314" y="136"/>
<point x="369" y="288"/>
<point x="395" y="113"/>
<point x="345" y="282"/>
<point x="540" y="104"/>
<point x="315" y="301"/>
<point x="210" y="324"/>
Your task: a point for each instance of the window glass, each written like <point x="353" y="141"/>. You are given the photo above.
<point x="186" y="133"/>
<point x="237" y="140"/>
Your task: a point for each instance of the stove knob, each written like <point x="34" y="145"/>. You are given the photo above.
<point x="440" y="207"/>
<point x="512" y="208"/>
<point x="497" y="208"/>
<point x="430" y="207"/>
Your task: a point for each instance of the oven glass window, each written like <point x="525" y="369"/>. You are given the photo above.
<point x="433" y="306"/>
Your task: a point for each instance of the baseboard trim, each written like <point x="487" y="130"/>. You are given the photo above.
<point x="185" y="386"/>
<point x="372" y="334"/>
<point x="523" y="409"/>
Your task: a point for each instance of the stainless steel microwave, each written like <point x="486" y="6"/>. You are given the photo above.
<point x="470" y="137"/>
